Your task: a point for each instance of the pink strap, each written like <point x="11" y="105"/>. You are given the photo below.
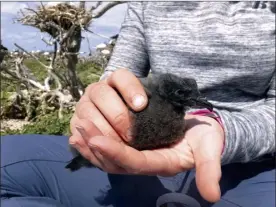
<point x="206" y="112"/>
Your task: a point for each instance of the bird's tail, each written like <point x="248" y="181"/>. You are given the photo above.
<point x="77" y="163"/>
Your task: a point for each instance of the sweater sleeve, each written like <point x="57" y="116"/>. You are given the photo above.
<point x="250" y="133"/>
<point x="130" y="50"/>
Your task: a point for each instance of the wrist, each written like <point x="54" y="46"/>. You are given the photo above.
<point x="209" y="117"/>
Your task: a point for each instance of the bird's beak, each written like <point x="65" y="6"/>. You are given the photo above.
<point x="202" y="103"/>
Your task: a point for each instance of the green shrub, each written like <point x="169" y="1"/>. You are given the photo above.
<point x="4" y="95"/>
<point x="9" y="132"/>
<point x="7" y="85"/>
<point x="49" y="124"/>
<point x="39" y="72"/>
<point x="88" y="72"/>
<point x="10" y="109"/>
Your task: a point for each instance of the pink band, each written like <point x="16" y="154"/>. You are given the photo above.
<point x="206" y="112"/>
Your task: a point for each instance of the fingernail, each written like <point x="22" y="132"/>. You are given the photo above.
<point x="138" y="100"/>
<point x="82" y="131"/>
<point x="93" y="147"/>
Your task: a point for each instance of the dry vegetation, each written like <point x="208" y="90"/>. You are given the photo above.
<point x="36" y="86"/>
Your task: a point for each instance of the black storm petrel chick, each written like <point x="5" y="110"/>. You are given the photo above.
<point x="161" y="123"/>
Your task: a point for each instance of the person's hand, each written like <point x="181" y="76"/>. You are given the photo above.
<point x="102" y="105"/>
<point x="200" y="148"/>
<point x="104" y="117"/>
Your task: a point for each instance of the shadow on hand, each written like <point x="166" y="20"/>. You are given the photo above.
<point x="131" y="190"/>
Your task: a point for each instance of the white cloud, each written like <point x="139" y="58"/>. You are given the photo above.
<point x="54" y="3"/>
<point x="12" y="7"/>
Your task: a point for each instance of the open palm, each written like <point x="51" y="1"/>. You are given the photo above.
<point x="200" y="149"/>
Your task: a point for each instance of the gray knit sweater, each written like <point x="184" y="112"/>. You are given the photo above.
<point x="229" y="48"/>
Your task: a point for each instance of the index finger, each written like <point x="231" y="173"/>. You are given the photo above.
<point x="129" y="86"/>
<point x="130" y="159"/>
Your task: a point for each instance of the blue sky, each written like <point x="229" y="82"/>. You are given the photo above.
<point x="30" y="38"/>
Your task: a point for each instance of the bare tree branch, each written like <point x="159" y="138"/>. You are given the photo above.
<point x="88" y="30"/>
<point x="25" y="70"/>
<point x="42" y="6"/>
<point x="67" y="34"/>
<point x="29" y="9"/>
<point x="54" y="56"/>
<point x="82" y="4"/>
<point x="88" y="45"/>
<point x="95" y="6"/>
<point x="22" y="12"/>
<point x="49" y="69"/>
<point x="108" y="6"/>
<point x="47" y="84"/>
<point x="18" y="74"/>
<point x="13" y="75"/>
<point x="36" y="58"/>
<point x="65" y="24"/>
<point x="57" y="27"/>
<point x="4" y="76"/>
<point x="50" y="43"/>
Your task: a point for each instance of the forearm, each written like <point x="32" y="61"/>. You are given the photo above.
<point x="249" y="134"/>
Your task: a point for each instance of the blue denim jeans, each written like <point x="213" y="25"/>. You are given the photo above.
<point x="33" y="175"/>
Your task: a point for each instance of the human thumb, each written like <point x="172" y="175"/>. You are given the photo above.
<point x="208" y="167"/>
